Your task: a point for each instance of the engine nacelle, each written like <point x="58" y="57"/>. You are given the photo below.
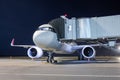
<point x="88" y="52"/>
<point x="34" y="52"/>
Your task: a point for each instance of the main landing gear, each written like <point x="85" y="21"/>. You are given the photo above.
<point x="50" y="58"/>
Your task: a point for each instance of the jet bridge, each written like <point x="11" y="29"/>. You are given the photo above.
<point x="93" y="28"/>
<point x="88" y="29"/>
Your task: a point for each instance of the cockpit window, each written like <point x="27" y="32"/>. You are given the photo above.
<point x="47" y="29"/>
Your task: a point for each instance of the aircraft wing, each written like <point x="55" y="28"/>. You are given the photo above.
<point x="81" y="46"/>
<point x="24" y="46"/>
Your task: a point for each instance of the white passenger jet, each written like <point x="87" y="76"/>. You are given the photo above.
<point x="45" y="39"/>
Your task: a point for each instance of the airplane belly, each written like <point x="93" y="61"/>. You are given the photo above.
<point x="46" y="39"/>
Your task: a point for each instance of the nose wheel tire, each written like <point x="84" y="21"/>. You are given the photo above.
<point x="50" y="58"/>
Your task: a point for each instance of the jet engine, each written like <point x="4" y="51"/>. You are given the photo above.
<point x="88" y="52"/>
<point x="34" y="52"/>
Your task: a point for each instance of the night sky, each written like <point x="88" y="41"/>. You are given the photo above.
<point x="20" y="18"/>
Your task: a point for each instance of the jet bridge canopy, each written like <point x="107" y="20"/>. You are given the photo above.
<point x="59" y="25"/>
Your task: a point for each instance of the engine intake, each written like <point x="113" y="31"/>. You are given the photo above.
<point x="34" y="52"/>
<point x="88" y="52"/>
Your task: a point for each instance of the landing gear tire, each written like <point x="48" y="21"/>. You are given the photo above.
<point x="80" y="57"/>
<point x="50" y="58"/>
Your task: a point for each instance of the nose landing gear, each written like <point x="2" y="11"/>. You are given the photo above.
<point x="50" y="58"/>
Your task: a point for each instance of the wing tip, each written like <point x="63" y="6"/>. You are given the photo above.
<point x="12" y="42"/>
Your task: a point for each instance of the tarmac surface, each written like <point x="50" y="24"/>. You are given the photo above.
<point x="26" y="69"/>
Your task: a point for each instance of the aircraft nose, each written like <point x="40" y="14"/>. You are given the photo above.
<point x="45" y="39"/>
<point x="40" y="37"/>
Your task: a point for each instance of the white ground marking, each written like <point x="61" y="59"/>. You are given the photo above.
<point x="60" y="75"/>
